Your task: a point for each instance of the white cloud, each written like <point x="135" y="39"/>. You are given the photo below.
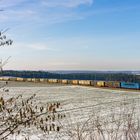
<point x="38" y="46"/>
<point x="36" y="11"/>
<point x="49" y="3"/>
<point x="35" y="46"/>
<point x="10" y="3"/>
<point x="16" y="16"/>
<point x="66" y="3"/>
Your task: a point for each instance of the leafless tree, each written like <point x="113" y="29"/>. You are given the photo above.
<point x="18" y="113"/>
<point x="3" y="63"/>
<point x="3" y="38"/>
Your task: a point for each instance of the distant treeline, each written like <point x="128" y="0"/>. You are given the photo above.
<point x="79" y="76"/>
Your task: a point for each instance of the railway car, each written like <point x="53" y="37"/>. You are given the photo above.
<point x="1" y="78"/>
<point x="60" y="81"/>
<point x="43" y="80"/>
<point x="116" y="84"/>
<point x="35" y="79"/>
<point x="6" y="78"/>
<point x="108" y="83"/>
<point x="112" y="84"/>
<point x="52" y="80"/>
<point x="55" y="81"/>
<point x="29" y="79"/>
<point x="85" y="82"/>
<point x="69" y="81"/>
<point x="75" y="82"/>
<point x="12" y="79"/>
<point x="128" y="85"/>
<point x="64" y="81"/>
<point x="100" y="84"/>
<point x="20" y="79"/>
<point x="93" y="83"/>
<point x="81" y="82"/>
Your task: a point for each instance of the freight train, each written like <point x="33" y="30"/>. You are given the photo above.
<point x="93" y="83"/>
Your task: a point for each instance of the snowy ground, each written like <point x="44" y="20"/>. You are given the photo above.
<point x="78" y="103"/>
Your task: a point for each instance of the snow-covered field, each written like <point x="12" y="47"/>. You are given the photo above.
<point x="77" y="103"/>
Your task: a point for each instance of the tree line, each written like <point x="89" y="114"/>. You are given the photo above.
<point x="79" y="76"/>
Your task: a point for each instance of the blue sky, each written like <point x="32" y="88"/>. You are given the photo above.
<point x="72" y="34"/>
